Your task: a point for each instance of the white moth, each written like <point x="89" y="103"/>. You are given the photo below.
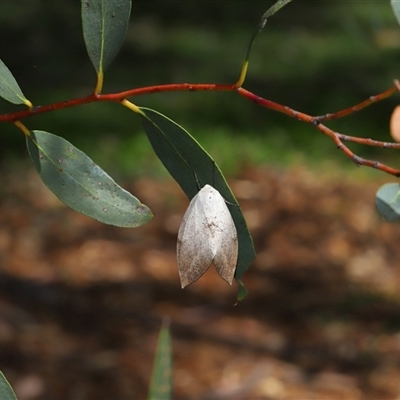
<point x="207" y="234"/>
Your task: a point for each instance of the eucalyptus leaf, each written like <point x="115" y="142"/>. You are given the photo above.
<point x="81" y="184"/>
<point x="388" y="201"/>
<point x="9" y="89"/>
<point x="275" y="8"/>
<point x="269" y="13"/>
<point x="182" y="155"/>
<point x="6" y="391"/>
<point x="161" y="378"/>
<point x="104" y="24"/>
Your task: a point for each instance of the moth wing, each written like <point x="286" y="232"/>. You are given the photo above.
<point x="193" y="249"/>
<point x="225" y="259"/>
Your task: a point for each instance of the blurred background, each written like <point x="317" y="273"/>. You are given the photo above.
<point x="81" y="303"/>
<point x="316" y="57"/>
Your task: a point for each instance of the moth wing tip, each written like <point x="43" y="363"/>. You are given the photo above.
<point x="184" y="283"/>
<point x="229" y="281"/>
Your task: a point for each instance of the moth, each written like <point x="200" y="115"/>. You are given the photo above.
<point x="207" y="234"/>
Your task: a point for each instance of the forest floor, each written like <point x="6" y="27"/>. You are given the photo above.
<point x="81" y="303"/>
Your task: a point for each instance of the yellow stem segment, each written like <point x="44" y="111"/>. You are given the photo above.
<point x="99" y="85"/>
<point x="28" y="104"/>
<point x="132" y="107"/>
<point x="242" y="76"/>
<point x="23" y="128"/>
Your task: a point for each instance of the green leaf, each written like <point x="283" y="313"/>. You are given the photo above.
<point x="161" y="378"/>
<point x="104" y="25"/>
<point x="6" y="391"/>
<point x="275" y="8"/>
<point x="388" y="201"/>
<point x="9" y="89"/>
<point x="181" y="154"/>
<point x="81" y="184"/>
<point x="271" y="11"/>
<point x="396" y="9"/>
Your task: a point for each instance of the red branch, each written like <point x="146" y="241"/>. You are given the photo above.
<point x="181" y="87"/>
<point x="336" y="137"/>
<point x="373" y="99"/>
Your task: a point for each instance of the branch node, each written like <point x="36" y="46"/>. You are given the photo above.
<point x="357" y="160"/>
<point x="316" y="121"/>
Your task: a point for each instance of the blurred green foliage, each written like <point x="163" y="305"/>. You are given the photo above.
<point x="315" y="57"/>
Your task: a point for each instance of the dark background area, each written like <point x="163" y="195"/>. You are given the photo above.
<point x="314" y="56"/>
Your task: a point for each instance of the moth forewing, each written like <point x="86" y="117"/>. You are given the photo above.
<point x="207" y="234"/>
<point x="193" y="252"/>
<point x="226" y="257"/>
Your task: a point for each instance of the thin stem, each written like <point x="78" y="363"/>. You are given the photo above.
<point x="12" y="117"/>
<point x="269" y="13"/>
<point x="336" y="137"/>
<point x="182" y="87"/>
<point x="132" y="107"/>
<point x="99" y="83"/>
<point x="347" y="111"/>
<point x="22" y="127"/>
<point x="368" y="141"/>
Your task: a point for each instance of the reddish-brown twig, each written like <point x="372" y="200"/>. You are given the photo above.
<point x="337" y="138"/>
<point x="347" y="111"/>
<point x="117" y="97"/>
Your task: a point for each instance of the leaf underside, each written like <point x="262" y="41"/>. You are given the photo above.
<point x="6" y="391"/>
<point x="9" y="89"/>
<point x="81" y="184"/>
<point x="388" y="201"/>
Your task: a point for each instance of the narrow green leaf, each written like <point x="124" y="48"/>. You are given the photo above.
<point x="9" y="89"/>
<point x="6" y="391"/>
<point x="181" y="154"/>
<point x="269" y="13"/>
<point x="396" y="9"/>
<point x="388" y="201"/>
<point x="161" y="378"/>
<point x="275" y="8"/>
<point x="81" y="184"/>
<point x="104" y="25"/>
